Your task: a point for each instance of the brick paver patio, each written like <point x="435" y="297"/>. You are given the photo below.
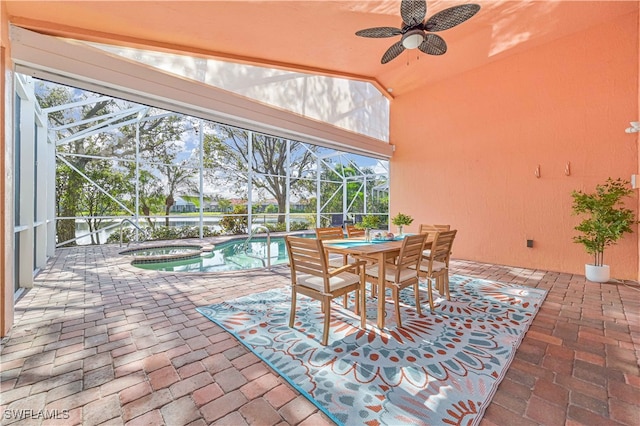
<point x="113" y="344"/>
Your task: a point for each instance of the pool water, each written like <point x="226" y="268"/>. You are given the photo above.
<point x="227" y="256"/>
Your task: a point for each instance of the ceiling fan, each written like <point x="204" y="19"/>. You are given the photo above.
<point x="416" y="32"/>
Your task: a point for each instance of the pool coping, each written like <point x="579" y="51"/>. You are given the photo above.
<point x="199" y="250"/>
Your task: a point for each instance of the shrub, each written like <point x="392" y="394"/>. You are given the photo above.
<point x="164" y="233"/>
<point x="235" y="224"/>
<point x="281" y="227"/>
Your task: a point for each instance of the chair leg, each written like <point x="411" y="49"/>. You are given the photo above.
<point x="345" y="298"/>
<point x="292" y="314"/>
<point x="362" y="300"/>
<point x="445" y="280"/>
<point x="430" y="291"/>
<point x="327" y="316"/>
<point x="396" y="302"/>
<point x="363" y="308"/>
<point x="416" y="290"/>
<point x="357" y="302"/>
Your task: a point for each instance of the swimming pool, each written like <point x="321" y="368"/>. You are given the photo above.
<point x="227" y="256"/>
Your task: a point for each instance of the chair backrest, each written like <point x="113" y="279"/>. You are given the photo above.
<point x="432" y="230"/>
<point x="352" y="231"/>
<point x="424" y="228"/>
<point x="410" y="253"/>
<point x="332" y="233"/>
<point x="307" y="256"/>
<point x="441" y="247"/>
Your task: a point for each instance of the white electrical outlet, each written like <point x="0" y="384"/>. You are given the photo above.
<point x="634" y="181"/>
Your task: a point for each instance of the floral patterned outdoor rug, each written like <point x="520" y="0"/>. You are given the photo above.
<point x="440" y="368"/>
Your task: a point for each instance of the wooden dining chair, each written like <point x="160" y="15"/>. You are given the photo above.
<point x="333" y="233"/>
<point x="311" y="276"/>
<point x="352" y="231"/>
<point x="435" y="267"/>
<point x="400" y="275"/>
<point x="431" y="230"/>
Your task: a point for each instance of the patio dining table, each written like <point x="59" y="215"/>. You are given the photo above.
<point x="377" y="251"/>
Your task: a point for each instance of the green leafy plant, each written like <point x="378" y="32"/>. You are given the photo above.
<point x="293" y="226"/>
<point x="368" y="222"/>
<point x="401" y="219"/>
<point x="163" y="233"/>
<point x="236" y="224"/>
<point x="607" y="219"/>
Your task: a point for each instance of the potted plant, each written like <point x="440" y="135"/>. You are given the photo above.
<point x="400" y="220"/>
<point x="607" y="220"/>
<point x="368" y="223"/>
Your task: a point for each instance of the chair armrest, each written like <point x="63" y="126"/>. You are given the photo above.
<point x="346" y="268"/>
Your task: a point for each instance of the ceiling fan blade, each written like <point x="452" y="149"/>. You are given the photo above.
<point x="392" y="52"/>
<point x="451" y="17"/>
<point x="413" y="11"/>
<point x="379" y="32"/>
<point x="433" y="44"/>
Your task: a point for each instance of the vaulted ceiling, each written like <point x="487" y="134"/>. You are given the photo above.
<point x="317" y="36"/>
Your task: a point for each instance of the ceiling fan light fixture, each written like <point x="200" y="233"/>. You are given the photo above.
<point x="412" y="39"/>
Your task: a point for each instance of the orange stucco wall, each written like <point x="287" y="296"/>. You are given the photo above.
<point x="467" y="149"/>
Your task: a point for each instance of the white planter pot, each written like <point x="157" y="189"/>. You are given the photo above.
<point x="597" y="274"/>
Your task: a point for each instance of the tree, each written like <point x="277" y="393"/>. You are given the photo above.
<point x="606" y="218"/>
<point x="332" y="180"/>
<point x="176" y="177"/>
<point x="95" y="204"/>
<point x="79" y="149"/>
<point x="224" y="205"/>
<point x="68" y="181"/>
<point x="150" y="194"/>
<point x="271" y="208"/>
<point x="164" y="175"/>
<point x="230" y="153"/>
